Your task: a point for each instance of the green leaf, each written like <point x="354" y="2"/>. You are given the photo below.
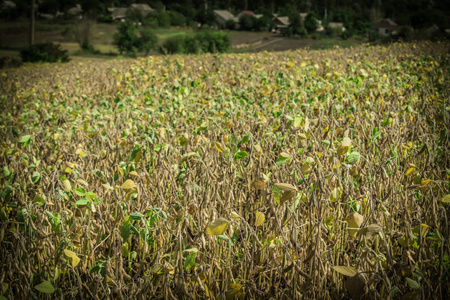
<point x="282" y="158"/>
<point x="82" y="201"/>
<point x="80" y="192"/>
<point x="240" y="154"/>
<point x="125" y="232"/>
<point x="190" y="260"/>
<point x="136" y="216"/>
<point x="353" y="157"/>
<point x="45" y="287"/>
<point x="25" y="139"/>
<point x="36" y="177"/>
<point x="246" y="138"/>
<point x="412" y="283"/>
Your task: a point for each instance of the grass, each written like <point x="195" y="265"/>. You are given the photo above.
<point x="299" y="174"/>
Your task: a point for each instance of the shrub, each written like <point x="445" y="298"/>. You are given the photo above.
<point x="177" y="19"/>
<point x="147" y="41"/>
<point x="10" y="62"/>
<point x="346" y="34"/>
<point x="311" y="23"/>
<point x="45" y="52"/>
<point x="230" y="24"/>
<point x="203" y="42"/>
<point x="173" y="45"/>
<point x="214" y="41"/>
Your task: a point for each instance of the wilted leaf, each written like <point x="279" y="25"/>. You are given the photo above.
<point x="217" y="227"/>
<point x="75" y="259"/>
<point x="370" y="230"/>
<point x="259" y="184"/>
<point x="128" y="184"/>
<point x="259" y="218"/>
<point x="354" y="220"/>
<point x="45" y="287"/>
<point x="302" y="136"/>
<point x="287" y="196"/>
<point x="345" y="146"/>
<point x="344" y="270"/>
<point x="219" y="147"/>
<point x="306" y="169"/>
<point x="285" y="187"/>
<point x="356" y="286"/>
<point x="187" y="156"/>
<point x="234" y="290"/>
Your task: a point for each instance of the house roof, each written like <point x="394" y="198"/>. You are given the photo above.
<point x="8" y="4"/>
<point x="245" y="12"/>
<point x="335" y="24"/>
<point x="224" y="14"/>
<point x="75" y="10"/>
<point x="142" y="7"/>
<point x="283" y="21"/>
<point x="386" y="23"/>
<point x="119" y="13"/>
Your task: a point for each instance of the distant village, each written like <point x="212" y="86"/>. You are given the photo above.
<point x="224" y="19"/>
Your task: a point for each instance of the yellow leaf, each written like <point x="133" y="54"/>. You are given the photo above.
<point x="446" y="198"/>
<point x="79" y="152"/>
<point x="335" y="194"/>
<point x="129" y="184"/>
<point x="219" y="147"/>
<point x="75" y="259"/>
<point x="302" y="136"/>
<point x="234" y="290"/>
<point x="134" y="173"/>
<point x="217" y="227"/>
<point x="285" y="187"/>
<point x="81" y="181"/>
<point x="346" y="142"/>
<point x="259" y="218"/>
<point x="425" y="181"/>
<point x="67" y="185"/>
<point x="258" y="149"/>
<point x="409" y="171"/>
<point x="235" y="215"/>
<point x="354" y="220"/>
<point x="306" y="169"/>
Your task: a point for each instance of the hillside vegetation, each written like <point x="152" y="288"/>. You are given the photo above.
<point x="303" y="174"/>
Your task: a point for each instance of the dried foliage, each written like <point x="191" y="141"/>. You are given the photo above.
<point x="306" y="174"/>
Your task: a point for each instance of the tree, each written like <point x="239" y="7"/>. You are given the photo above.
<point x="247" y="22"/>
<point x="147" y="41"/>
<point x="126" y="39"/>
<point x="311" y="23"/>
